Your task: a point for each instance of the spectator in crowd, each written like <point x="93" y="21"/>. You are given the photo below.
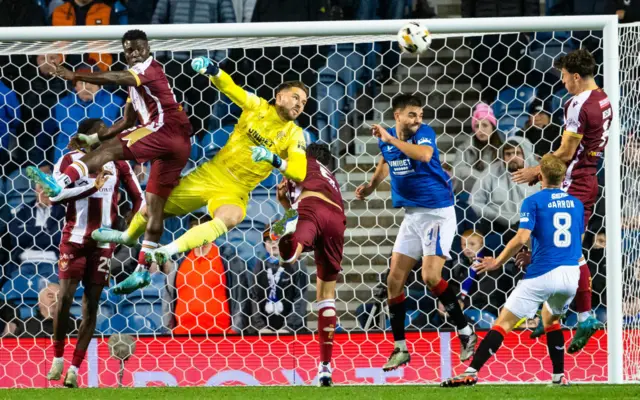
<point x="279" y="292"/>
<point x="9" y="118"/>
<point x="202" y="300"/>
<point x="87" y="12"/>
<point x="35" y="230"/>
<point x="499" y="59"/>
<point x="495" y="197"/>
<point x="628" y="11"/>
<point x="487" y="292"/>
<point x="540" y="130"/>
<point x="10" y="324"/>
<point x="474" y="154"/>
<point x="86" y="101"/>
<point x="21" y="13"/>
<point x="190" y="88"/>
<point x="630" y="181"/>
<point x="243" y="9"/>
<point x="41" y="324"/>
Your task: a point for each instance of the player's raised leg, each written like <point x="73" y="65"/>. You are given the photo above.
<point x="60" y="325"/>
<point x="587" y="323"/>
<point x="225" y="217"/>
<point x="90" y="303"/>
<point x="401" y="266"/>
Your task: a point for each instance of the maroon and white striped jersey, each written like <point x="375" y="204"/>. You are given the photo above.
<point x="88" y="208"/>
<point x="588" y="117"/>
<point x="152" y="97"/>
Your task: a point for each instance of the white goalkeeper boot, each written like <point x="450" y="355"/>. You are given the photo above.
<point x="324" y="375"/>
<point x="56" y="369"/>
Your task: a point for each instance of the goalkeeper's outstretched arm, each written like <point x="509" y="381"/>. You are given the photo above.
<point x="224" y="83"/>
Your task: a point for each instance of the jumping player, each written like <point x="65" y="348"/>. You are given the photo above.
<point x="91" y="201"/>
<point x="264" y="138"/>
<point x="163" y="137"/>
<point x="420" y="185"/>
<point x="553" y="220"/>
<point x="315" y="220"/>
<point x="588" y="115"/>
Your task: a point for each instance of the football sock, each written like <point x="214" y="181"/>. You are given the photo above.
<point x="72" y="173"/>
<point x="78" y="357"/>
<point x="198" y="236"/>
<point x="488" y="347"/>
<point x="58" y="348"/>
<point x="147" y="246"/>
<point x="398" y="312"/>
<point x="555" y="345"/>
<point x="326" y="328"/>
<point x="445" y="294"/>
<point x="583" y="295"/>
<point x="136" y="228"/>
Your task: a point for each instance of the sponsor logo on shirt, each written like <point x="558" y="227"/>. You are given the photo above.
<point x="259" y="139"/>
<point x="604" y="103"/>
<point x="425" y="140"/>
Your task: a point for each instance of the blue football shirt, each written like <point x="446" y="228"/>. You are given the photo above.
<point x="415" y="183"/>
<point x="556" y="222"/>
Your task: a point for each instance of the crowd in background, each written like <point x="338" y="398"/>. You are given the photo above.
<point x="223" y="288"/>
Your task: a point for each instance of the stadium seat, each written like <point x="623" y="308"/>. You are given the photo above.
<point x="509" y="125"/>
<point x="263" y="209"/>
<point x="571" y="320"/>
<point x="514" y="101"/>
<point x="45" y="270"/>
<point x="23" y="289"/>
<point x="557" y="103"/>
<point x="150" y="311"/>
<point x="480" y="319"/>
<point x="212" y="142"/>
<point x="140" y="325"/>
<point x="18" y="189"/>
<point x="115" y="324"/>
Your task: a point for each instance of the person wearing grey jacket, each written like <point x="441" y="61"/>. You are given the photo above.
<point x="495" y="197"/>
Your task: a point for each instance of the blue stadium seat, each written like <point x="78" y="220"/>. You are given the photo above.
<point x="140" y="325"/>
<point x="558" y="99"/>
<point x="22" y="289"/>
<point x="263" y="209"/>
<point x="509" y="125"/>
<point x="149" y="311"/>
<point x="601" y="314"/>
<point x="45" y="270"/>
<point x="514" y="101"/>
<point x="18" y="189"/>
<point x="115" y="324"/>
<point x="25" y="312"/>
<point x="212" y="142"/>
<point x="570" y="320"/>
<point x="481" y="319"/>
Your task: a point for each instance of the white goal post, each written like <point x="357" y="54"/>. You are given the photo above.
<point x="71" y="40"/>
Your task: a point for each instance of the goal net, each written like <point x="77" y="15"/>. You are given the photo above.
<point x="205" y="319"/>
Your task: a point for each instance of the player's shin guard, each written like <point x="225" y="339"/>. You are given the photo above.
<point x="447" y="297"/>
<point x="197" y="236"/>
<point x="72" y="173"/>
<point x="583" y="295"/>
<point x="397" y="314"/>
<point x="555" y="345"/>
<point x="136" y="228"/>
<point x="326" y="328"/>
<point x="488" y="347"/>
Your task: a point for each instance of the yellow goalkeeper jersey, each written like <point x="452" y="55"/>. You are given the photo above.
<point x="259" y="125"/>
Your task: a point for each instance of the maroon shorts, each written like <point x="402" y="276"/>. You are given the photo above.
<point x="585" y="188"/>
<point x="86" y="263"/>
<point x="167" y="146"/>
<point x="321" y="228"/>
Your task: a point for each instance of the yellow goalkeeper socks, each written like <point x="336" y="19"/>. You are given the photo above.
<point x="197" y="236"/>
<point x="136" y="228"/>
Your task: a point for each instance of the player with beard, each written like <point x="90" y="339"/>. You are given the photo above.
<point x="264" y="138"/>
<point x="423" y="189"/>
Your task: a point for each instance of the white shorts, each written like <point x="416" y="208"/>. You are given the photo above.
<point x="426" y="232"/>
<point x="556" y="289"/>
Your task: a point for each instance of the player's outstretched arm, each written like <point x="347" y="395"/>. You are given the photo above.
<point x="416" y="152"/>
<point x="122" y="78"/>
<point x="97" y="132"/>
<point x="487" y="264"/>
<point x="295" y="168"/>
<point x="281" y="194"/>
<point x="380" y="174"/>
<point x="69" y="195"/>
<point x="224" y="83"/>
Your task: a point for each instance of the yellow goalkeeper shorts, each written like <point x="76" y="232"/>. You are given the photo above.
<point x="205" y="186"/>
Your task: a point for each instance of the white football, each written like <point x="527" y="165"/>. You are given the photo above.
<point x="414" y="38"/>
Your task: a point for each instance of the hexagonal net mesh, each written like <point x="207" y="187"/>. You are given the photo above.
<point x="204" y="320"/>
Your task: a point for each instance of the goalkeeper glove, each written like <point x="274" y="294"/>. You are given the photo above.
<point x="203" y="65"/>
<point x="261" y="153"/>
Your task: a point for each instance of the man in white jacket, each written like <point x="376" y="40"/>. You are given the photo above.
<point x="495" y="197"/>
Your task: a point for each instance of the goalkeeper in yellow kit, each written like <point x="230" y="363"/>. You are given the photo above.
<point x="265" y="137"/>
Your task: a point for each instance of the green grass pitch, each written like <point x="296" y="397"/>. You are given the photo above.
<point x="368" y="392"/>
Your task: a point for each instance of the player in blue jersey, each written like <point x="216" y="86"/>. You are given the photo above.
<point x="554" y="222"/>
<point x="420" y="185"/>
